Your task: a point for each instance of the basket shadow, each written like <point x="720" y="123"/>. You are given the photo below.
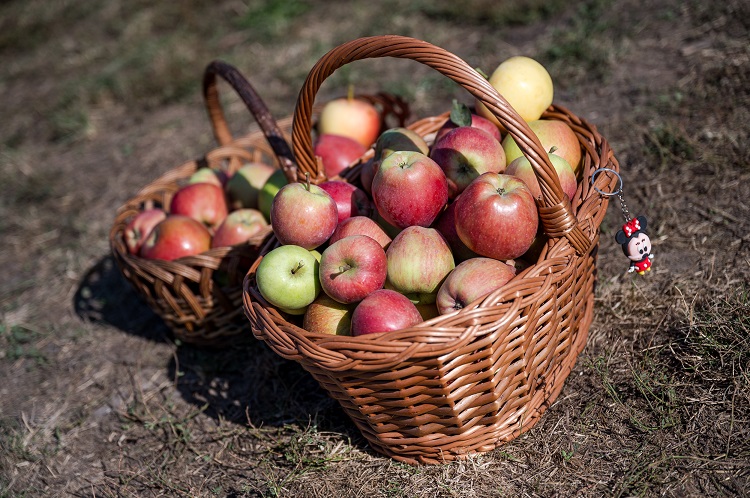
<point x="249" y="384"/>
<point x="105" y="296"/>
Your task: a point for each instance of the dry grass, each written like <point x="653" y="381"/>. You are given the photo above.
<point x="96" y="400"/>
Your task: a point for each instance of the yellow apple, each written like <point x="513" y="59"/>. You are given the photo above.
<point x="551" y="133"/>
<point x="525" y="84"/>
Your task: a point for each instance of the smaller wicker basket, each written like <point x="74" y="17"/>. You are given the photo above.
<point x="470" y="380"/>
<point x="200" y="297"/>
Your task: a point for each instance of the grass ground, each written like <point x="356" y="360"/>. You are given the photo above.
<point x="100" y="98"/>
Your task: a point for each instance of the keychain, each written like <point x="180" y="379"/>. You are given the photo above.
<point x="633" y="238"/>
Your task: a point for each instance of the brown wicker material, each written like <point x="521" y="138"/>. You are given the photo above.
<point x="200" y="297"/>
<point x="468" y="381"/>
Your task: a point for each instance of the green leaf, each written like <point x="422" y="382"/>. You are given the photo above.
<point x="460" y="114"/>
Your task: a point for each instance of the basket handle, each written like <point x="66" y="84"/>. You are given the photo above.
<point x="555" y="210"/>
<point x="255" y="105"/>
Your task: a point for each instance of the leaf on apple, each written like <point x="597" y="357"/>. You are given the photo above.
<point x="460" y="114"/>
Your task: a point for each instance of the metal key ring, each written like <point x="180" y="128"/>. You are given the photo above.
<point x="618" y="191"/>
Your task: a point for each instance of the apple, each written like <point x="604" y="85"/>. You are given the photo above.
<point x="525" y="84"/>
<point x="466" y="152"/>
<point x="551" y="133"/>
<point x="176" y="236"/>
<point x="238" y="227"/>
<point x="337" y="152"/>
<point x="409" y="189"/>
<point x="360" y="225"/>
<point x="204" y="202"/>
<point x="350" y="199"/>
<point x="269" y="191"/>
<point x="327" y="316"/>
<point x="446" y="225"/>
<point x="138" y="229"/>
<point x="497" y="217"/>
<point x="399" y="139"/>
<point x="287" y="277"/>
<point x="352" y="268"/>
<point x="303" y="214"/>
<point x="419" y="259"/>
<point x="460" y="115"/>
<point x="521" y="168"/>
<point x="470" y="280"/>
<point x="209" y="175"/>
<point x="350" y="117"/>
<point x="384" y="310"/>
<point x="245" y="185"/>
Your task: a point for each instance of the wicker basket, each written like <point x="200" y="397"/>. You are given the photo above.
<point x="200" y="297"/>
<point x="468" y="381"/>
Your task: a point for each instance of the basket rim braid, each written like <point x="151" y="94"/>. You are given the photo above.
<point x="467" y="381"/>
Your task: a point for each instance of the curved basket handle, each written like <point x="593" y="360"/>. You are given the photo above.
<point x="555" y="210"/>
<point x="254" y="103"/>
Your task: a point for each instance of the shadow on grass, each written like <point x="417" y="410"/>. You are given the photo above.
<point x="249" y="384"/>
<point x="104" y="296"/>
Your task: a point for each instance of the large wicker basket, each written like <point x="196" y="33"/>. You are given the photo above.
<point x="465" y="382"/>
<point x="200" y="297"/>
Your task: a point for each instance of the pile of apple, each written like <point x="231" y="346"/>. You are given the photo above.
<point x="432" y="228"/>
<point x="211" y="209"/>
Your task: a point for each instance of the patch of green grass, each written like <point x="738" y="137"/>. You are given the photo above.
<point x="18" y="342"/>
<point x="272" y="18"/>
<point x="490" y="12"/>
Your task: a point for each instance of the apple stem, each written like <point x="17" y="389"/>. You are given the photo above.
<point x="299" y="266"/>
<point x="350" y="92"/>
<point x="552" y="149"/>
<point x="307" y="180"/>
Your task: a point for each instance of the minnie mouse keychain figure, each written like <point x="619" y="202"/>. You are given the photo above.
<point x="633" y="238"/>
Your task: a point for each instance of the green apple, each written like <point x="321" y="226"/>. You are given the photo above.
<point x="269" y="190"/>
<point x="287" y="277"/>
<point x="245" y="185"/>
<point x="551" y="133"/>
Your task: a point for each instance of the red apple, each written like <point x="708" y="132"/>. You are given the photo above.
<point x="176" y="236"/>
<point x="360" y="225"/>
<point x="350" y="199"/>
<point x="209" y="175"/>
<point x="419" y="259"/>
<point x="409" y="189"/>
<point x="521" y="168"/>
<point x="477" y="121"/>
<point x="327" y="316"/>
<point x="551" y="133"/>
<point x="138" y="229"/>
<point x="446" y="225"/>
<point x="350" y="117"/>
<point x="238" y="227"/>
<point x="352" y="268"/>
<point x="384" y="310"/>
<point x="471" y="280"/>
<point x="204" y="202"/>
<point x="496" y="216"/>
<point x="303" y="214"/>
<point x="337" y="152"/>
<point x="245" y="185"/>
<point x="464" y="153"/>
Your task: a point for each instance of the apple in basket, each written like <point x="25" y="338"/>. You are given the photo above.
<point x="209" y="175"/>
<point x="174" y="237"/>
<point x="337" y="152"/>
<point x="303" y="214"/>
<point x="204" y="202"/>
<point x="446" y="225"/>
<point x="244" y="187"/>
<point x="287" y="277"/>
<point x="409" y="189"/>
<point x="525" y="84"/>
<point x="360" y="225"/>
<point x="497" y="217"/>
<point x="461" y="116"/>
<point x="350" y="199"/>
<point x="466" y="152"/>
<point x="551" y="133"/>
<point x="350" y="117"/>
<point x="471" y="280"/>
<point x="419" y="259"/>
<point x="384" y="310"/>
<point x="352" y="268"/>
<point x="327" y="316"/>
<point x="138" y="229"/>
<point x="521" y="168"/>
<point x="269" y="191"/>
<point x="238" y="227"/>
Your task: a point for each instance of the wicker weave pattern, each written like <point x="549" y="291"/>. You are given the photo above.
<point x="467" y="381"/>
